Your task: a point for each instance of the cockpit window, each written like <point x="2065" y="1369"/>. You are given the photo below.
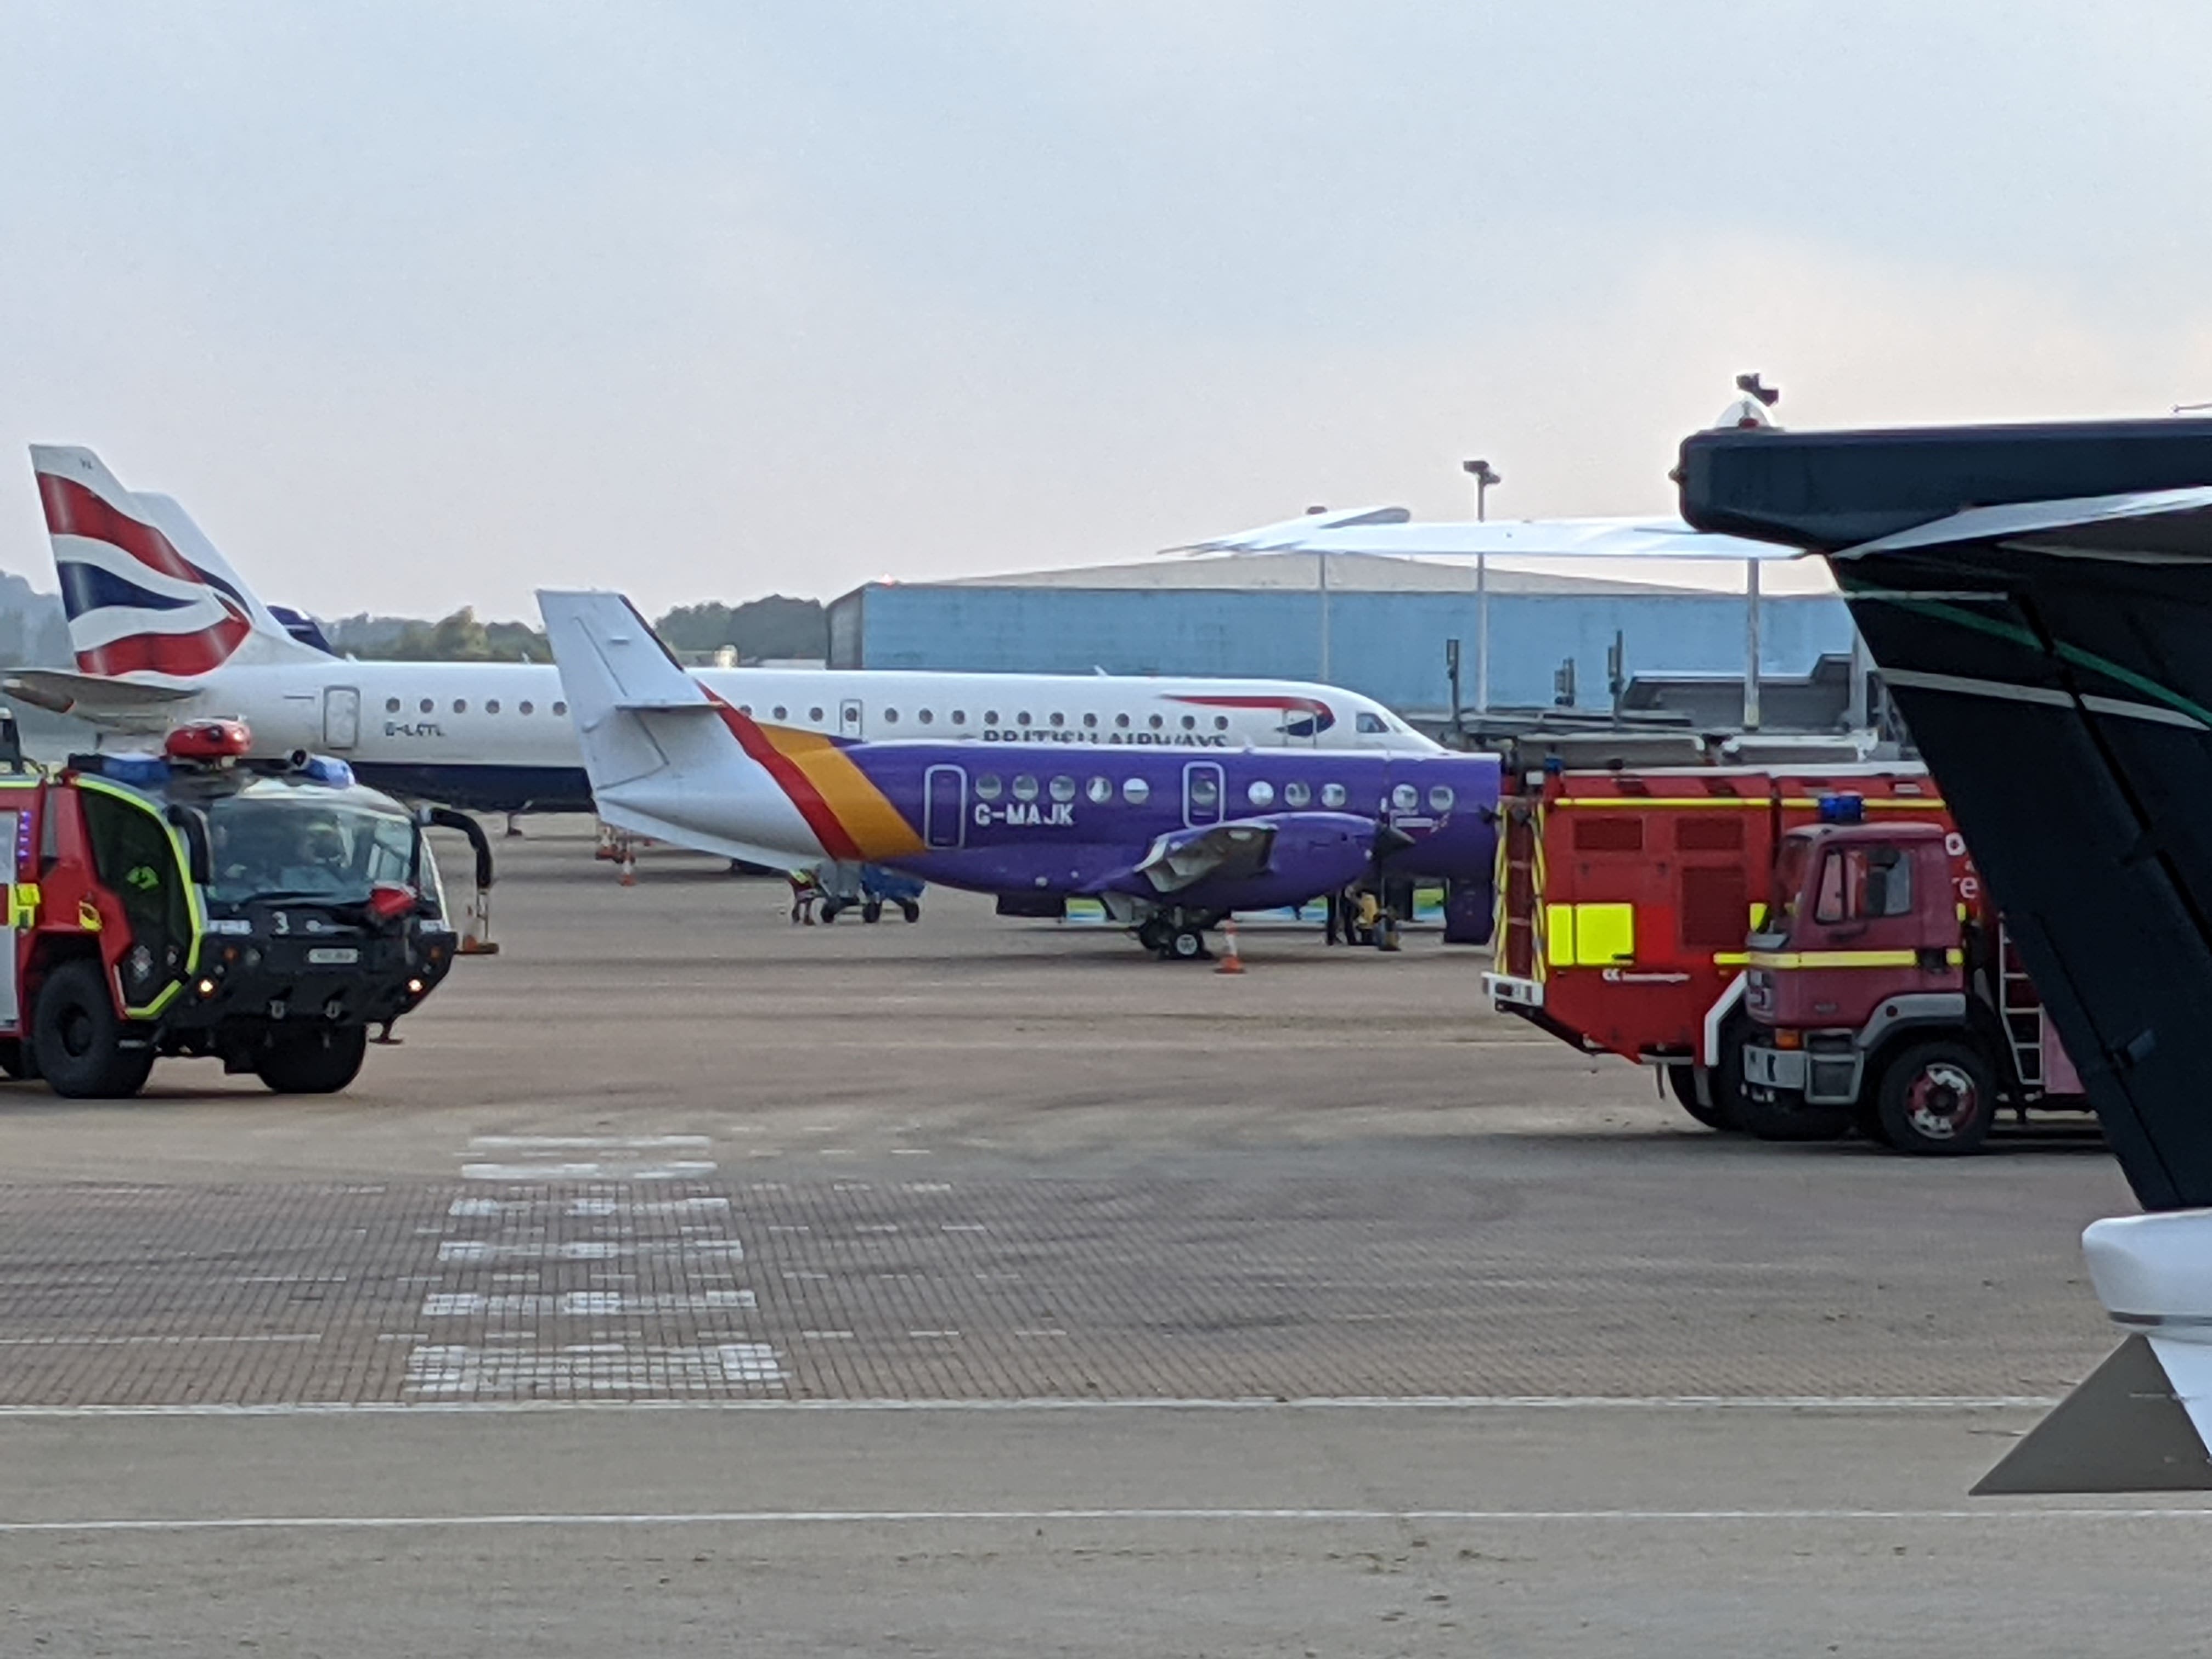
<point x="1369" y="724"/>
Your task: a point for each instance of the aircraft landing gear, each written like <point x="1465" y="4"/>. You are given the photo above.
<point x="1176" y="937"/>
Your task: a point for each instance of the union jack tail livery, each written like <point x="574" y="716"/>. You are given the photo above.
<point x="148" y="596"/>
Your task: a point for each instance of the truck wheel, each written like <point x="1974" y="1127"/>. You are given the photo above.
<point x="1683" y="1080"/>
<point x="1938" y="1099"/>
<point x="910" y="910"/>
<point x="873" y="910"/>
<point x="75" y="1036"/>
<point x="17" y="1060"/>
<point x="313" y="1062"/>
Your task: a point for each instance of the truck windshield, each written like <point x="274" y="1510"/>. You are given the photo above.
<point x="304" y="844"/>
<point x="1789" y="866"/>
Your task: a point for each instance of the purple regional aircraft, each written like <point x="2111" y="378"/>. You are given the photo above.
<point x="1170" y="844"/>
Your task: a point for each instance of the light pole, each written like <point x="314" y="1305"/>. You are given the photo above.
<point x="1484" y="477"/>
<point x="1320" y="589"/>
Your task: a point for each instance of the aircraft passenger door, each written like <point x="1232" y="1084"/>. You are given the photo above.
<point x="945" y="806"/>
<point x="341" y="716"/>
<point x="849" y="717"/>
<point x="1201" y="792"/>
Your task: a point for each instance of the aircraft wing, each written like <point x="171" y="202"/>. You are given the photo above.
<point x="121" y="705"/>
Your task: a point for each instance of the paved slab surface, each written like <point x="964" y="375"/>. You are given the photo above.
<point x="688" y="1278"/>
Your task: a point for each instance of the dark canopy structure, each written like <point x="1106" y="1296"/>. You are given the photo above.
<point x="2039" y="599"/>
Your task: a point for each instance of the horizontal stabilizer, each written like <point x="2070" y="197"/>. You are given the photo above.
<point x="611" y="659"/>
<point x="2125" y="1428"/>
<point x="125" y="705"/>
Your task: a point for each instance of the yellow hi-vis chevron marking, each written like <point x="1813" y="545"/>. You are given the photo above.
<point x="23" y="905"/>
<point x="1848" y="958"/>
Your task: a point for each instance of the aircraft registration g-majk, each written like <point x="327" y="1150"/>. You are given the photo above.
<point x="1170" y="841"/>
<point x="165" y="632"/>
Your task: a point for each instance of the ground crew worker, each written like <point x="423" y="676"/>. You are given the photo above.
<point x="805" y="888"/>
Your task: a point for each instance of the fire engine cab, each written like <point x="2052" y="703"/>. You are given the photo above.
<point x="1883" y="992"/>
<point x="197" y="902"/>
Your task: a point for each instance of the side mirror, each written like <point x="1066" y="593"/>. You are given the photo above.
<point x="192" y="824"/>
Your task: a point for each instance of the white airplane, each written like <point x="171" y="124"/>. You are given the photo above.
<point x="165" y="632"/>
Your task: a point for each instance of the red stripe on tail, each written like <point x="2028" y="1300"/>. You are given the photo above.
<point x="183" y="655"/>
<point x="836" y="839"/>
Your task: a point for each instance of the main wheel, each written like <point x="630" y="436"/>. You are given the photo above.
<point x="1185" y="945"/>
<point x="1938" y="1099"/>
<point x="76" y="1034"/>
<point x="1683" y="1081"/>
<point x="319" y="1062"/>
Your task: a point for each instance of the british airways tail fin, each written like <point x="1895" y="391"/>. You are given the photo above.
<point x="146" y="593"/>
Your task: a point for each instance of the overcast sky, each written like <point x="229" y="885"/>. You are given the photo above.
<point x="416" y="305"/>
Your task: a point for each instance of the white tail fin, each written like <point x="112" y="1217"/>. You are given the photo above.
<point x="145" y="590"/>
<point x="663" y="754"/>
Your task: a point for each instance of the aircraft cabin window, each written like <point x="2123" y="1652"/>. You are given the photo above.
<point x="1025" y="787"/>
<point x="1121" y="721"/>
<point x="1190" y="722"/>
<point x="1404" y="797"/>
<point x="1100" y="790"/>
<point x="1059" y="719"/>
<point x="1136" y="791"/>
<point x="987" y="786"/>
<point x="814" y="715"/>
<point x="1154" y="722"/>
<point x="926" y="716"/>
<point x="1441" y="798"/>
<point x="1063" y="788"/>
<point x="1022" y="719"/>
<point x="1369" y="724"/>
<point x="460" y="705"/>
<point x="960" y="717"/>
<point x="428" y="705"/>
<point x="491" y="705"/>
<point x="530" y="708"/>
<point x="990" y="717"/>
<point x="1297" y="794"/>
<point x="1262" y="793"/>
<point x="745" y="708"/>
<point x="890" y="717"/>
<point x="1332" y="795"/>
<point x="779" y="711"/>
<point x="560" y="708"/>
<point x="1204" y="790"/>
<point x="1091" y="721"/>
<point x="1221" y="722"/>
<point x="392" y="705"/>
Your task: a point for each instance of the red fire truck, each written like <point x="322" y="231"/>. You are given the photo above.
<point x="1627" y="899"/>
<point x="1883" y="992"/>
<point x="196" y="902"/>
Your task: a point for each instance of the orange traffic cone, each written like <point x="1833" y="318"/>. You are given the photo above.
<point x="1232" y="963"/>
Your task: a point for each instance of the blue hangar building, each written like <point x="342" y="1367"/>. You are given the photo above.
<point x="1380" y="626"/>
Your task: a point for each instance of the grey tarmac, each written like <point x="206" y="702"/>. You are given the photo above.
<point x="691" y="1282"/>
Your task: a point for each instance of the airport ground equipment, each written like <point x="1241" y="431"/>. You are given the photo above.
<point x="191" y="902"/>
<point x="868" y="888"/>
<point x="1884" y="992"/>
<point x="1626" y="897"/>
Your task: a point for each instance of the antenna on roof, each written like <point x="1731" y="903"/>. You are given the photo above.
<point x="1750" y="409"/>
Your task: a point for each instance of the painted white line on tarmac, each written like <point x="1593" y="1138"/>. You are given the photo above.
<point x="1863" y="1403"/>
<point x="510" y="1143"/>
<point x="1203" y="1516"/>
<point x="151" y="1341"/>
